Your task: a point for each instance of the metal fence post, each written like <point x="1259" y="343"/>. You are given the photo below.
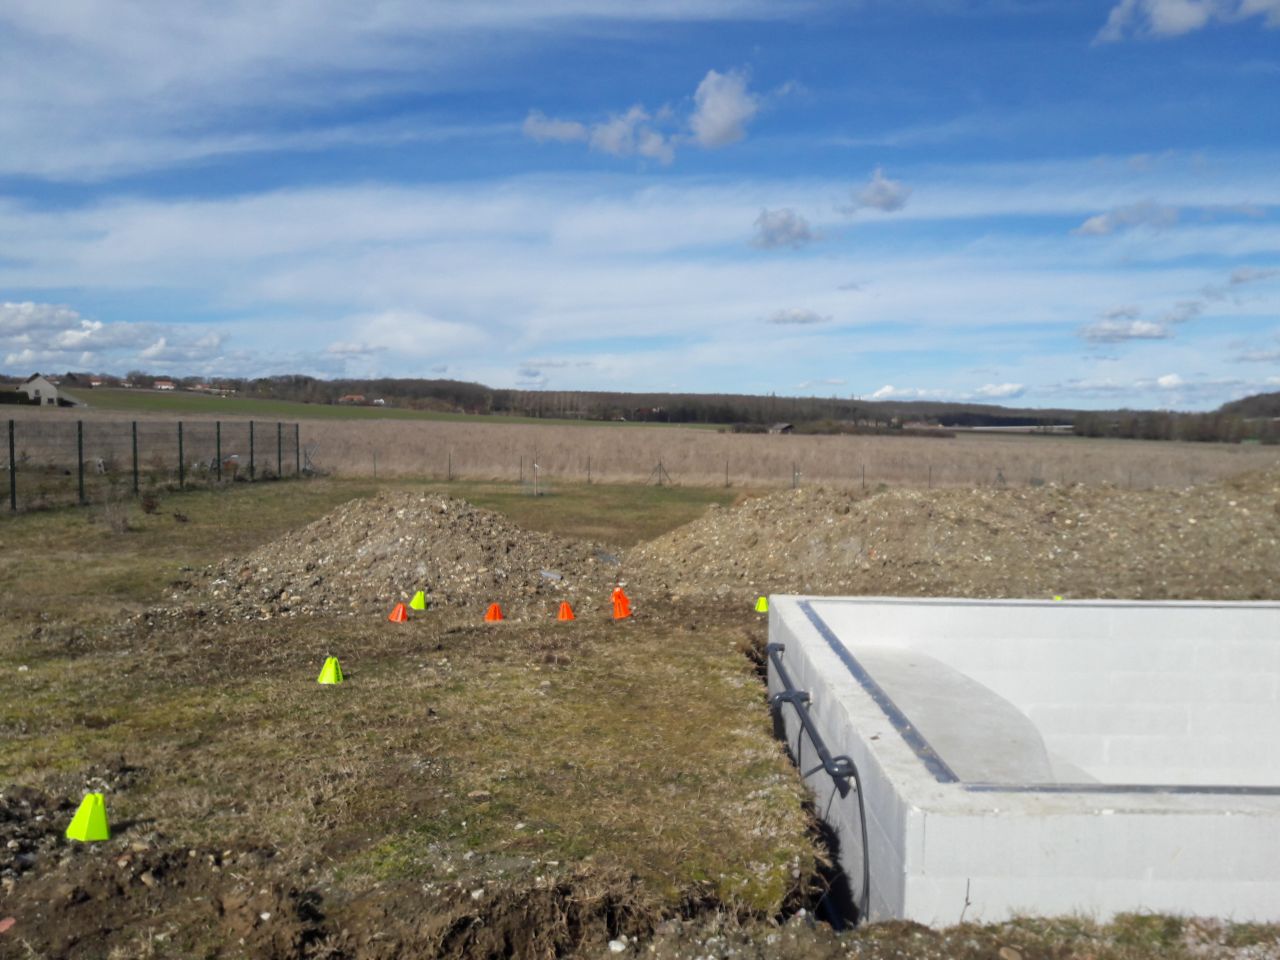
<point x="217" y="446"/>
<point x="80" y="457"/>
<point x="13" y="473"/>
<point x="134" y="425"/>
<point x="182" y="467"/>
<point x="251" y="450"/>
<point x="297" y="452"/>
<point x="279" y="449"/>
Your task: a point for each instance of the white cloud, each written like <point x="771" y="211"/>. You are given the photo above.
<point x="527" y="266"/>
<point x="794" y="317"/>
<point x="1257" y="356"/>
<point x="1171" y="18"/>
<point x="538" y="126"/>
<point x="1170" y="381"/>
<point x="143" y="86"/>
<point x="890" y="392"/>
<point x="723" y="106"/>
<point x="880" y="193"/>
<point x="1126" y="312"/>
<point x="201" y="351"/>
<point x="1244" y="275"/>
<point x="990" y="391"/>
<point x="630" y="133"/>
<point x="1001" y="391"/>
<point x="58" y="337"/>
<point x="23" y="318"/>
<point x="1144" y="214"/>
<point x="1184" y="311"/>
<point x="1116" y="331"/>
<point x="340" y="348"/>
<point x="781" y="228"/>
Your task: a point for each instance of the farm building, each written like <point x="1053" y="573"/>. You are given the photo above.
<point x="782" y="428"/>
<point x="37" y="390"/>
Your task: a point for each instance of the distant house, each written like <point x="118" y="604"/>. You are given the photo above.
<point x="39" y="390"/>
<point x="782" y="428"/>
<point x="165" y="385"/>
<point x="352" y="398"/>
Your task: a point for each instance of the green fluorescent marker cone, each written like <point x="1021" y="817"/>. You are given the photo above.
<point x="90" y="821"/>
<point x="331" y="672"/>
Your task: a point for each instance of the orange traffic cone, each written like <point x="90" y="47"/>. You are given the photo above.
<point x="493" y="614"/>
<point x="621" y="605"/>
<point x="399" y="614"/>
<point x="566" y="611"/>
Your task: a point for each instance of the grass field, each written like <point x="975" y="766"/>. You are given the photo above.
<point x="460" y="770"/>
<point x="117" y="400"/>
<point x="526" y="790"/>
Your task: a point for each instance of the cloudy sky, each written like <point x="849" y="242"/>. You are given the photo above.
<point x="1041" y="202"/>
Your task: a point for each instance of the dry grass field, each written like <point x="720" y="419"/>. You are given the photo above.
<point x="480" y="449"/>
<point x="699" y="457"/>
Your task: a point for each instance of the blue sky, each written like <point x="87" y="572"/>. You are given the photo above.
<point x="1037" y="202"/>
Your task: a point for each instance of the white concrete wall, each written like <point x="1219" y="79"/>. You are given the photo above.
<point x="1046" y="853"/>
<point x="1159" y="694"/>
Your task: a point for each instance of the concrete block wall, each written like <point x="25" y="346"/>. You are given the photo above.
<point x="1161" y="694"/>
<point x="1018" y="850"/>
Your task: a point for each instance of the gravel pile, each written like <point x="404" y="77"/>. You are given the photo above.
<point x="1207" y="542"/>
<point x="1218" y="541"/>
<point x="369" y="554"/>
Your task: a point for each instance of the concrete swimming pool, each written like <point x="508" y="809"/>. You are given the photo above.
<point x="988" y="758"/>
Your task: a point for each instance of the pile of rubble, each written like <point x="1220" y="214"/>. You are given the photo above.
<point x="1218" y="541"/>
<point x="368" y="554"/>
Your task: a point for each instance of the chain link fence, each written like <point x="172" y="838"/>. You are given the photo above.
<point x="55" y="463"/>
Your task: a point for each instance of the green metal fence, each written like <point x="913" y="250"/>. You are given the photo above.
<point x="55" y="462"/>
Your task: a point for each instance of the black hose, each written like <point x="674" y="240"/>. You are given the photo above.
<point x="841" y="769"/>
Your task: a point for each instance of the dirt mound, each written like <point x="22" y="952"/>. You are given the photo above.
<point x="368" y="554"/>
<point x="1211" y="542"/>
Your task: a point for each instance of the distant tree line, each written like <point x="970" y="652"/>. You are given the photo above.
<point x="1250" y="419"/>
<point x="1215" y="427"/>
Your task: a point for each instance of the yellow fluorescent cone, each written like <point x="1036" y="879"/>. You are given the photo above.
<point x="762" y="605"/>
<point x="90" y="821"/>
<point x="331" y="672"/>
<point x="419" y="601"/>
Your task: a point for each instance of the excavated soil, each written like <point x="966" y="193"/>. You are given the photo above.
<point x="369" y="554"/>
<point x="1219" y="542"/>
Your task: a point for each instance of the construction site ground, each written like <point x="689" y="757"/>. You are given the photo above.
<point x="526" y="788"/>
